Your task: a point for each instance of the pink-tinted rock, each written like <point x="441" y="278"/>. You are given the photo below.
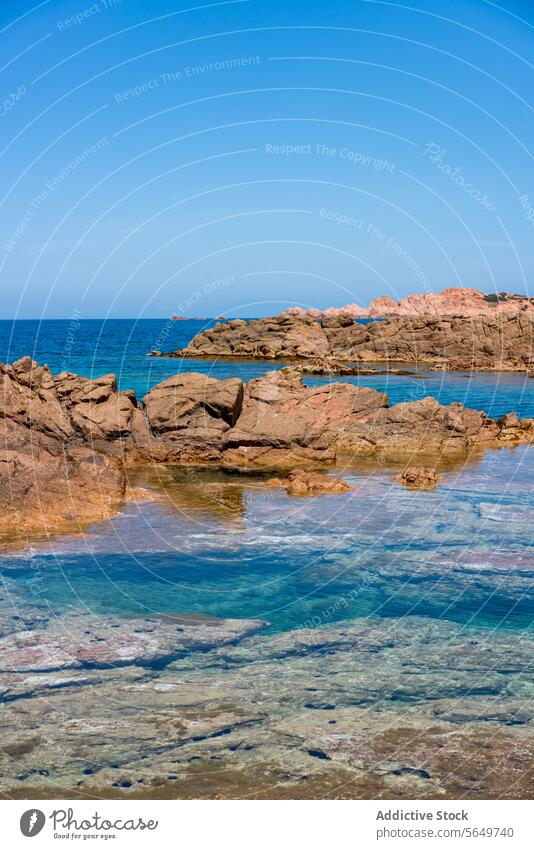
<point x="285" y="424"/>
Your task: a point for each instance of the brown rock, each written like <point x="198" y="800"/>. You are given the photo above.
<point x="189" y="415"/>
<point x="501" y="341"/>
<point x="265" y="338"/>
<point x="285" y="424"/>
<point x="486" y="342"/>
<point x="417" y="477"/>
<point x="310" y="483"/>
<point x="48" y="476"/>
<point x="65" y="440"/>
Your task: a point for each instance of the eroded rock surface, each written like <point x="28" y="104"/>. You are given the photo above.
<point x="66" y="440"/>
<point x="502" y="342"/>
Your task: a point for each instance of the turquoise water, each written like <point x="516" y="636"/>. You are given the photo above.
<point x="98" y="347"/>
<point x="230" y="547"/>
<point x="227" y="546"/>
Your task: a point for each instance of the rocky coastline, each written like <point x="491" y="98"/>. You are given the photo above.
<point x="485" y="342"/>
<point x="67" y="442"/>
<point x="455" y="301"/>
<point x="192" y="706"/>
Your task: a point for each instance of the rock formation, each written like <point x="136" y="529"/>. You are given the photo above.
<point x="66" y="440"/>
<point x="492" y="342"/>
<point x="266" y="338"/>
<point x="309" y="483"/>
<point x="455" y="301"/>
<point x="418" y="477"/>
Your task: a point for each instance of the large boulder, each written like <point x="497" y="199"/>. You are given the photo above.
<point x="49" y="476"/>
<point x="266" y="338"/>
<point x="189" y="415"/>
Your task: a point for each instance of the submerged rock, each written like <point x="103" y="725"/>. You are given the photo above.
<point x="417" y="477"/>
<point x="393" y="708"/>
<point x="309" y="483"/>
<point x="83" y="643"/>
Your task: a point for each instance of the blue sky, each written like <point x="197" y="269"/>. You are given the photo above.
<point x="241" y="157"/>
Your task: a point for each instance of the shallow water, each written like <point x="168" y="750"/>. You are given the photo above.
<point x="227" y="546"/>
<point x="96" y="347"/>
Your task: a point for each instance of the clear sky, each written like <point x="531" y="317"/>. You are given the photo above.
<point x="199" y="158"/>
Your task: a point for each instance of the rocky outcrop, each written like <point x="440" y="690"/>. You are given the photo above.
<point x="189" y="416"/>
<point x="457" y="301"/>
<point x="491" y="342"/>
<point x="309" y="483"/>
<point x="66" y="440"/>
<point x="51" y="470"/>
<point x="418" y="477"/>
<point x="487" y="342"/>
<point x="264" y="338"/>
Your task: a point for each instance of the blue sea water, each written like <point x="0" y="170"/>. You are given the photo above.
<point x="227" y="546"/>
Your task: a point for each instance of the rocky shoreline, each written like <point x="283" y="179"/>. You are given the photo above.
<point x="68" y="441"/>
<point x="190" y="706"/>
<point x="502" y="342"/>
